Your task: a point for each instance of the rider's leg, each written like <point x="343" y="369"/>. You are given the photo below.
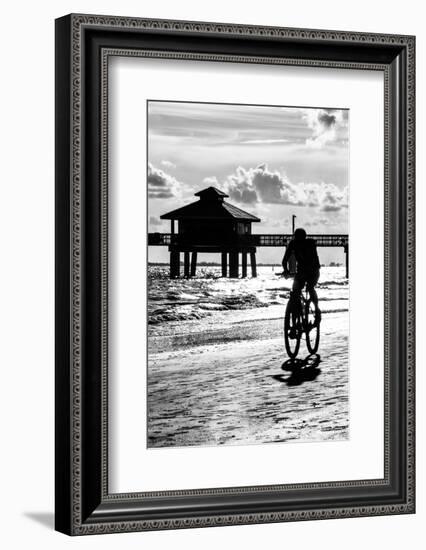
<point x="310" y="285"/>
<point x="298" y="285"/>
<point x="313" y="294"/>
<point x="296" y="291"/>
<point x="314" y="298"/>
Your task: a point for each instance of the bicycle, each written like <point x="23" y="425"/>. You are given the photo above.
<point x="302" y="315"/>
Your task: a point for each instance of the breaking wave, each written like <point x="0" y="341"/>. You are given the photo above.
<point x="181" y="300"/>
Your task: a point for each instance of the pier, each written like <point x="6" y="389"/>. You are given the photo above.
<point x="246" y="241"/>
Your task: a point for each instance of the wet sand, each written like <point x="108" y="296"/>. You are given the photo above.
<point x="235" y="384"/>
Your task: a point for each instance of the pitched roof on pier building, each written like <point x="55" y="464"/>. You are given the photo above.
<point x="210" y="206"/>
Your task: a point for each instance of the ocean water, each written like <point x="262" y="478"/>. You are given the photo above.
<point x="178" y="305"/>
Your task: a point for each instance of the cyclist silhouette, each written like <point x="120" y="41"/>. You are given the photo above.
<point x="308" y="265"/>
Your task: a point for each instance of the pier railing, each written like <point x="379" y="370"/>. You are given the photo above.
<point x="167" y="239"/>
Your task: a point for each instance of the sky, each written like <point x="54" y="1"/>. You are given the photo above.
<point x="272" y="161"/>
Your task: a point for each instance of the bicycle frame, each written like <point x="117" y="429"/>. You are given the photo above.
<point x="297" y="322"/>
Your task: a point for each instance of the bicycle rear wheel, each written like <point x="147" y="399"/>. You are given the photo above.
<point x="292" y="330"/>
<point x="312" y="329"/>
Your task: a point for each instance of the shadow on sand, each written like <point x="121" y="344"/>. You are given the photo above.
<point x="302" y="370"/>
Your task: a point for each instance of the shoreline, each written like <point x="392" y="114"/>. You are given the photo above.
<point x="229" y="326"/>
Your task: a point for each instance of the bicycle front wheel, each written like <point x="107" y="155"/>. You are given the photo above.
<point x="312" y="329"/>
<point x="292" y="331"/>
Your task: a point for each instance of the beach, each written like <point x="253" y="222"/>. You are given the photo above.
<point x="218" y="373"/>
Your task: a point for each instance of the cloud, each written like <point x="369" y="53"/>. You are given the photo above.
<point x="319" y="222"/>
<point x="240" y="187"/>
<point x="280" y="223"/>
<point x="325" y="125"/>
<point x="155" y="221"/>
<point x="333" y="198"/>
<point x="264" y="141"/>
<point x="261" y="185"/>
<point x="160" y="184"/>
<point x="211" y="181"/>
<point x="327" y="196"/>
<point x="168" y="164"/>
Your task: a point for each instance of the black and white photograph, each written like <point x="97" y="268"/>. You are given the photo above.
<point x="248" y="274"/>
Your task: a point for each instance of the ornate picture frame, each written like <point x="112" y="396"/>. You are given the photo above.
<point x="84" y="43"/>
